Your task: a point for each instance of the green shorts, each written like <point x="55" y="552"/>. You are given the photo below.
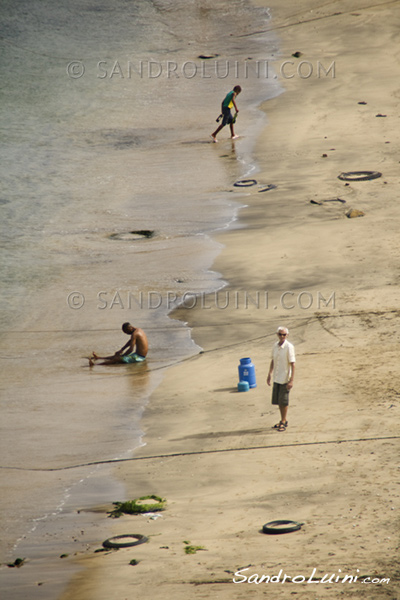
<point x="132" y="358"/>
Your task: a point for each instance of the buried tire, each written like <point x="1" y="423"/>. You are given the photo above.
<point x="267" y="188"/>
<point x="274" y="527"/>
<point x="359" y="175"/>
<point x="245" y="183"/>
<point x="116" y="541"/>
<point x="130" y="236"/>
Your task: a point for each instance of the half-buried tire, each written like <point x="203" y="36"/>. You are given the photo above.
<point x="245" y="183"/>
<point x="274" y="527"/>
<point x="125" y="541"/>
<point x="359" y="175"/>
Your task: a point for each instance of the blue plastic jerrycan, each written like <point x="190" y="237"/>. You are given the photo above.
<point x="247" y="372"/>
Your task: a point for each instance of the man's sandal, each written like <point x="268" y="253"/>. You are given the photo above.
<point x="282" y="426"/>
<point x="277" y="426"/>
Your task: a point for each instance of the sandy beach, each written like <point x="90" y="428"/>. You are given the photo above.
<point x="294" y="258"/>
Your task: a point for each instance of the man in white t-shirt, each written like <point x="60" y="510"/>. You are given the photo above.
<point x="282" y="366"/>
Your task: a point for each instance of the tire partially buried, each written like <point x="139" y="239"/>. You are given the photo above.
<point x="133" y="235"/>
<point x="268" y="187"/>
<point x="245" y="183"/>
<point x="115" y="542"/>
<point x="274" y="527"/>
<point x="359" y="175"/>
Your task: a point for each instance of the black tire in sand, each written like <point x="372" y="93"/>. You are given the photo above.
<point x="114" y="542"/>
<point x="359" y="175"/>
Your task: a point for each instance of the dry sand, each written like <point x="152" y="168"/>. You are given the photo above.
<point x="216" y="458"/>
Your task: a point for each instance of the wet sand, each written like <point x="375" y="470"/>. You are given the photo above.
<point x="86" y="161"/>
<point x="213" y="452"/>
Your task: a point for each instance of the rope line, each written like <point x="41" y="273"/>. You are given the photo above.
<point x="319" y="18"/>
<point x="200" y="452"/>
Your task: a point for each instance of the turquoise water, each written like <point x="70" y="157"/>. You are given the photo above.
<point x="106" y="112"/>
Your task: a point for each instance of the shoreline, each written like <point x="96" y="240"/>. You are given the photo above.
<point x="197" y="407"/>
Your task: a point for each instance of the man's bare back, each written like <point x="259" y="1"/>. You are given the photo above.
<point x="140" y="342"/>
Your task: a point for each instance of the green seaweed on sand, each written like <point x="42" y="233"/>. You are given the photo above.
<point x="138" y="506"/>
<point x="190" y="549"/>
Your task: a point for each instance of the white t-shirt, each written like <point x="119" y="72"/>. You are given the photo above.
<point x="282" y="356"/>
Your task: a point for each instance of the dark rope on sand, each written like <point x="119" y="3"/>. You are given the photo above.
<point x="199" y="452"/>
<point x="319" y="18"/>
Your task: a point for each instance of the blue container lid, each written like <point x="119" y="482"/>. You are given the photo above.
<point x="243" y="386"/>
<point x="245" y="361"/>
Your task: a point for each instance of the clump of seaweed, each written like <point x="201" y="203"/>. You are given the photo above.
<point x="190" y="549"/>
<point x="138" y="506"/>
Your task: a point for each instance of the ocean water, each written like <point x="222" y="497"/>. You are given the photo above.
<point x="106" y="115"/>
